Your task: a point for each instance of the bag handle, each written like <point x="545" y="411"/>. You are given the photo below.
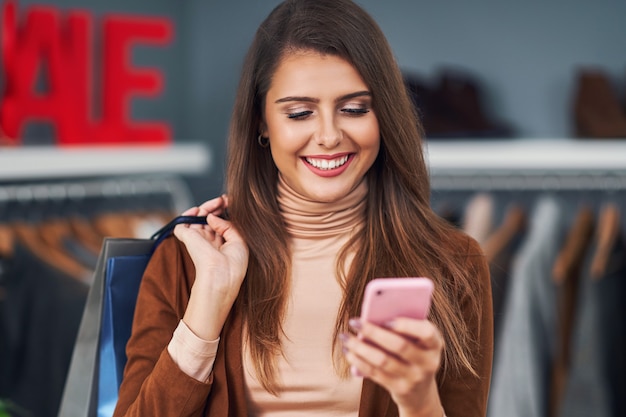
<point x="167" y="230"/>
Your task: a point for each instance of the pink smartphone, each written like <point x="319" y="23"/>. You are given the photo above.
<point x="388" y="298"/>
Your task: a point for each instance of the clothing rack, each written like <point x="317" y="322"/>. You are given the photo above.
<point x="538" y="181"/>
<point x="79" y="190"/>
<point x="57" y="205"/>
<point x="554" y="165"/>
<point x="547" y="215"/>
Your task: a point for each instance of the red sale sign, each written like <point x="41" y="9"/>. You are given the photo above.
<point x="62" y="49"/>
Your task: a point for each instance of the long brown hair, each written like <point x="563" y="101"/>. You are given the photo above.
<point x="402" y="236"/>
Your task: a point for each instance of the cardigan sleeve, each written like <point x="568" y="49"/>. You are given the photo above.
<point x="153" y="385"/>
<point x="464" y="394"/>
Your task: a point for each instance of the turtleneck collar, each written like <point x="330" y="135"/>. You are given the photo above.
<point x="305" y="218"/>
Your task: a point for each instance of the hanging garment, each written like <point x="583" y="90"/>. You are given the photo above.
<point x="40" y="313"/>
<point x="478" y="216"/>
<point x="500" y="249"/>
<point x="566" y="273"/>
<point x="597" y="378"/>
<point x="524" y="354"/>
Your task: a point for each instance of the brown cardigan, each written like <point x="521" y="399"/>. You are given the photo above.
<point x="153" y="384"/>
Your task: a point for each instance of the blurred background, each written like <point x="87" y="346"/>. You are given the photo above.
<point x="523" y="59"/>
<point x="524" y="110"/>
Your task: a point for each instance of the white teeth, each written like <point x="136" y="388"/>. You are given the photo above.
<point x="325" y="164"/>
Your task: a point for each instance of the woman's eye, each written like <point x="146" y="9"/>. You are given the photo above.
<point x="299" y="115"/>
<point x="355" y="111"/>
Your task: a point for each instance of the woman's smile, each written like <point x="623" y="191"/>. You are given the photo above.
<point x="328" y="166"/>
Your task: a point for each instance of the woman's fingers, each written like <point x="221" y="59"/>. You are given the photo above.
<point x="223" y="228"/>
<point x="403" y="357"/>
<point x="225" y="198"/>
<point x="198" y="235"/>
<point x="216" y="206"/>
<point x="234" y="246"/>
<point x="424" y="332"/>
<point x="370" y="358"/>
<point x="402" y="347"/>
<point x="401" y="335"/>
<point x="217" y="242"/>
<point x="193" y="211"/>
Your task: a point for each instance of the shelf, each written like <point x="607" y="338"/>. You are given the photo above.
<point x="47" y="162"/>
<point x="529" y="155"/>
<point x="529" y="164"/>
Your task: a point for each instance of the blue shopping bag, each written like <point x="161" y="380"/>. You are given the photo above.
<point x="122" y="279"/>
<point x="99" y="356"/>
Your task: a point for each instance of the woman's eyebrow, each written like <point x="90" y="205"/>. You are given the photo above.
<point x="317" y="100"/>
<point x="354" y="95"/>
<point x="297" y="98"/>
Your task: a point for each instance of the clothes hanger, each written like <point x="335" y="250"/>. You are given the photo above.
<point x="146" y="223"/>
<point x="7" y="251"/>
<point x="132" y="217"/>
<point x="478" y="215"/>
<point x="57" y="235"/>
<point x="56" y="232"/>
<point x="31" y="236"/>
<point x="571" y="256"/>
<point x="566" y="274"/>
<point x="607" y="233"/>
<point x="151" y="214"/>
<point x="85" y="232"/>
<point x="32" y="228"/>
<point x="513" y="223"/>
<point x="7" y="241"/>
<point x="114" y="224"/>
<point x="117" y="215"/>
<point x="7" y="235"/>
<point x="517" y="202"/>
<point x="78" y="214"/>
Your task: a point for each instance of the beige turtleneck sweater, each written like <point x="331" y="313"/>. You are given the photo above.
<point x="310" y="384"/>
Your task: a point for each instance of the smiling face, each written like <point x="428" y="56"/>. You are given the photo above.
<point x="323" y="132"/>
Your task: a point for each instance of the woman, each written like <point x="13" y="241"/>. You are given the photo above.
<point x="327" y="188"/>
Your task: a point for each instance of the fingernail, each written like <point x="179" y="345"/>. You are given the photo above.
<point x="355" y="372"/>
<point x="355" y="323"/>
<point x="343" y="338"/>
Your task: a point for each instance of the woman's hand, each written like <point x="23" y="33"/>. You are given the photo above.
<point x="220" y="257"/>
<point x="403" y="357"/>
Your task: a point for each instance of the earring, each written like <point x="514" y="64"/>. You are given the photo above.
<point x="263" y="141"/>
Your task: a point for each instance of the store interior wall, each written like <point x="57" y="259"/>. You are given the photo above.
<point x="525" y="55"/>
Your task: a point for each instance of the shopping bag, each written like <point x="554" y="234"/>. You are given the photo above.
<point x="122" y="279"/>
<point x="98" y="359"/>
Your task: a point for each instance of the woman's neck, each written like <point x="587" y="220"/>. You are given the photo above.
<point x="306" y="218"/>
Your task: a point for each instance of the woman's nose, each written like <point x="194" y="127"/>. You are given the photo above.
<point x="329" y="134"/>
